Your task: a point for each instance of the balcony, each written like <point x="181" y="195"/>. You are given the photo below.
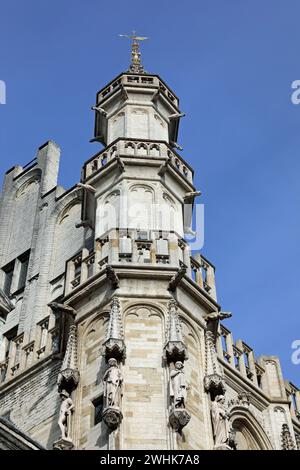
<point x="139" y="81"/>
<point x="139" y="247"/>
<point x="136" y="148"/>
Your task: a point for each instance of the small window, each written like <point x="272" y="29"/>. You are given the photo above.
<point x="23" y="271"/>
<point x="224" y="342"/>
<point x="294" y="402"/>
<point x="246" y="359"/>
<point x="10" y="337"/>
<point x="98" y="409"/>
<point x="8" y="276"/>
<point x="259" y="381"/>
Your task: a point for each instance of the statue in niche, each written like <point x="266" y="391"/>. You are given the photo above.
<point x="112" y="380"/>
<point x="178" y="386"/>
<point x="220" y="421"/>
<point x="66" y="408"/>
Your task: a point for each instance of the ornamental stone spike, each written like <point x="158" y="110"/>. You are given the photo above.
<point x="115" y="327"/>
<point x="70" y="359"/>
<point x="174" y="331"/>
<point x="175" y="349"/>
<point x="114" y="345"/>
<point x="68" y="377"/>
<point x="213" y="379"/>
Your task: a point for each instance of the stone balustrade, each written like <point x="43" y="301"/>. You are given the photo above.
<point x="137" y="80"/>
<point x="136" y="148"/>
<point x="203" y="273"/>
<point x="22" y="355"/>
<point x="239" y="356"/>
<point x="131" y="246"/>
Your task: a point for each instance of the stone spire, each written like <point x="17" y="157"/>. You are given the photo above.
<point x="114" y="346"/>
<point x="136" y="65"/>
<point x="68" y="377"/>
<point x="175" y="349"/>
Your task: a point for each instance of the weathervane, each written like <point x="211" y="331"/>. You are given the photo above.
<point x="136" y="65"/>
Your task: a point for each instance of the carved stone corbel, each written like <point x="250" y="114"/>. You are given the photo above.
<point x="163" y="167"/>
<point x="114" y="345"/>
<point x="175" y="280"/>
<point x="178" y="419"/>
<point x="120" y="164"/>
<point x="112" y="276"/>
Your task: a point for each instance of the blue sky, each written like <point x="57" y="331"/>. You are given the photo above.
<point x="232" y="64"/>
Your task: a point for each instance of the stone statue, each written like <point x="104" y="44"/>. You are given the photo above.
<point x="112" y="380"/>
<point x="66" y="409"/>
<point x="178" y="386"/>
<point x="220" y="421"/>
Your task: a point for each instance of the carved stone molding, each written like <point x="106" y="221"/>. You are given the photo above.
<point x="179" y="418"/>
<point x="174" y="349"/>
<point x="287" y="441"/>
<point x="243" y="399"/>
<point x="112" y="416"/>
<point x="114" y="345"/>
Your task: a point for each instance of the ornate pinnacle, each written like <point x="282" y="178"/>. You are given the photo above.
<point x="213" y="379"/>
<point x="136" y="65"/>
<point x="175" y="349"/>
<point x="174" y="327"/>
<point x="115" y="328"/>
<point x="114" y="346"/>
<point x="68" y="377"/>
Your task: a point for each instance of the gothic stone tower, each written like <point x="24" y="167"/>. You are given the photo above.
<point x="110" y="329"/>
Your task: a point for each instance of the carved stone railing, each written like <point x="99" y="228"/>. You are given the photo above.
<point x="136" y="148"/>
<point x="203" y="273"/>
<point x="130" y="246"/>
<point x="22" y="356"/>
<point x="138" y="80"/>
<point x="239" y="356"/>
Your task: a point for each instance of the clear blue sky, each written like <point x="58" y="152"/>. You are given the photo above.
<point x="231" y="63"/>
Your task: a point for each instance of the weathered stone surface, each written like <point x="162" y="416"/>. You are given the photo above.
<point x="116" y="271"/>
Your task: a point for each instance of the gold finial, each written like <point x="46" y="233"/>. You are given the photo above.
<point x="136" y="65"/>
